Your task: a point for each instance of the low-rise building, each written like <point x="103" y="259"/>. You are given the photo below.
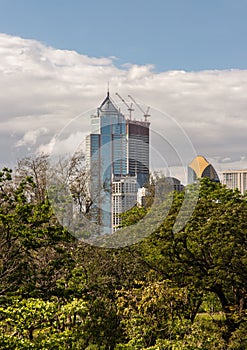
<point x="235" y="179"/>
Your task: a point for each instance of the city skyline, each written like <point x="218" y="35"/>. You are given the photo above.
<point x="63" y="72"/>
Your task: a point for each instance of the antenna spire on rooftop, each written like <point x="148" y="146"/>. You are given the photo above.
<point x="108" y="88"/>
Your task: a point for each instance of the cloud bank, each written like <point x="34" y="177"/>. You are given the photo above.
<point x="43" y="89"/>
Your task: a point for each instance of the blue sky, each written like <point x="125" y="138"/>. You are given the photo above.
<point x="170" y="34"/>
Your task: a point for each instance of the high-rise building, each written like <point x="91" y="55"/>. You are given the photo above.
<point x="235" y="179"/>
<point x="118" y="159"/>
<point x="199" y="168"/>
<point x="124" y="197"/>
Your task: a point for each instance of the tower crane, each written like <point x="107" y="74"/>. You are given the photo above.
<point x="145" y="114"/>
<point x="130" y="108"/>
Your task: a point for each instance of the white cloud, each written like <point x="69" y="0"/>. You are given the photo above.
<point x="30" y="137"/>
<point x="43" y="88"/>
<point x="136" y="72"/>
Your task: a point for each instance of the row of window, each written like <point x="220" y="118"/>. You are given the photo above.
<point x="119" y="187"/>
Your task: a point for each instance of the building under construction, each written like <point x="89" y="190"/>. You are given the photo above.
<point x="118" y="159"/>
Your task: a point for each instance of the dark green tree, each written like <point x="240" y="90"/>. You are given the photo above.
<point x="34" y="248"/>
<point x="209" y="254"/>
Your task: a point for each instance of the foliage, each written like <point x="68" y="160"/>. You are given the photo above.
<point x="210" y="253"/>
<point x="154" y="311"/>
<point x="32" y="244"/>
<point x="132" y="216"/>
<point x="184" y="290"/>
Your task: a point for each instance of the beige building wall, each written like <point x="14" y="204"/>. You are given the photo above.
<point x="235" y="179"/>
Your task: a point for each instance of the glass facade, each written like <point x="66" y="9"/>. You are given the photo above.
<point x="138" y="161"/>
<point x="116" y="148"/>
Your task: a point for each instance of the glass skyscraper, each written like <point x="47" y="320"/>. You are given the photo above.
<point x="117" y="153"/>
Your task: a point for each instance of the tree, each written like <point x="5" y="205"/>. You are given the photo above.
<point x="210" y="253"/>
<point x="153" y="311"/>
<point x="175" y="290"/>
<point x="38" y="169"/>
<point x="42" y="266"/>
<point x="34" y="248"/>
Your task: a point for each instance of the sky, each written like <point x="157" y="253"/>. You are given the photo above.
<point x="185" y="59"/>
<point x="170" y="34"/>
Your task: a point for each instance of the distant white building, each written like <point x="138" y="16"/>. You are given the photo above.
<point x="142" y="193"/>
<point x="235" y="179"/>
<point x="124" y="197"/>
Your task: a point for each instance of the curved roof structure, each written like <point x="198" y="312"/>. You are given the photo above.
<point x="199" y="164"/>
<point x="200" y="167"/>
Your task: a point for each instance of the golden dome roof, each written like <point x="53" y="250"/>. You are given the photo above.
<point x="199" y="164"/>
